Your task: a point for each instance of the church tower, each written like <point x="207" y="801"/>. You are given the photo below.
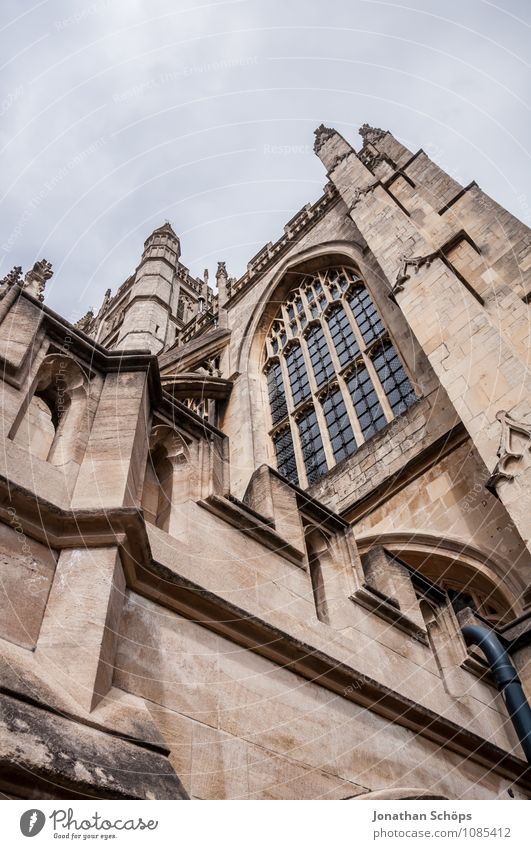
<point x="146" y="316"/>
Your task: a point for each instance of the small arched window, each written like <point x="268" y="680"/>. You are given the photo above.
<point x="334" y="377"/>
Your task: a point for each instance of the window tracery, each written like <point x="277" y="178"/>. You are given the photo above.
<point x="334" y="378"/>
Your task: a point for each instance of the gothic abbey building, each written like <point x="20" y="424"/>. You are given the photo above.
<point x="243" y="527"/>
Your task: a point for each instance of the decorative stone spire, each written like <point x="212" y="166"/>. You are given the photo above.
<point x="85" y="323"/>
<point x="35" y="280"/>
<point x="322" y="134"/>
<point x="105" y="302"/>
<point x="371" y="134"/>
<point x="222" y="281"/>
<point x="13" y="277"/>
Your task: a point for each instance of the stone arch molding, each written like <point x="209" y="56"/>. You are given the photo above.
<point x="53" y="423"/>
<point x="249" y="354"/>
<point x="348" y="251"/>
<point x="499" y="573"/>
<point x="167" y="479"/>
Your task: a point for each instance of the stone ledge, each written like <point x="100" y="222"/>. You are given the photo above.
<point x="246" y="520"/>
<point x="47" y="756"/>
<point x="389" y="612"/>
<point x="164" y="586"/>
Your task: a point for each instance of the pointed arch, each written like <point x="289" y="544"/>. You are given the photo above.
<point x="53" y="423"/>
<point x="333" y="377"/>
<point x="167" y="478"/>
<point x="470" y="576"/>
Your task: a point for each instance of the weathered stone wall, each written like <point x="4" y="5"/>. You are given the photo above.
<point x="241" y="727"/>
<point x="249" y="649"/>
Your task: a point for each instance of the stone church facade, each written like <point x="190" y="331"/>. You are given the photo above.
<point x="243" y="527"/>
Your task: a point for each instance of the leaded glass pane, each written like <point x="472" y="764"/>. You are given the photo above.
<point x="312" y="446"/>
<point x="339" y="428"/>
<point x="342" y="334"/>
<point x="393" y="378"/>
<point x="298" y="377"/>
<point x="277" y="395"/>
<point x="366" y="404"/>
<point x="366" y="314"/>
<point x="319" y="355"/>
<point x="285" y="455"/>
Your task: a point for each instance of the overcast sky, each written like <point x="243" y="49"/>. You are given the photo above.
<point x="117" y="115"/>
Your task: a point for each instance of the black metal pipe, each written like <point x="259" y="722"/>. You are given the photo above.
<point x="507" y="681"/>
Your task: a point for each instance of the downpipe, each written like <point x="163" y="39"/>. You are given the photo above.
<point x="506" y="679"/>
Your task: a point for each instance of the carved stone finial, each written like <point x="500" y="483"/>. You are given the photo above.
<point x="322" y="134"/>
<point x="222" y="270"/>
<point x="371" y="134"/>
<point x="84" y="323"/>
<point x="13" y="277"/>
<point x="35" y="280"/>
<point x="506" y="453"/>
<point x="105" y="302"/>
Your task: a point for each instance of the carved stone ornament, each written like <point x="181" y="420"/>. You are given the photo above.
<point x="359" y="193"/>
<point x="84" y="323"/>
<point x="509" y="426"/>
<point x="13" y="278"/>
<point x="339" y="159"/>
<point x="222" y="270"/>
<point x="35" y="280"/>
<point x="415" y="262"/>
<point x="371" y="134"/>
<point x="322" y="134"/>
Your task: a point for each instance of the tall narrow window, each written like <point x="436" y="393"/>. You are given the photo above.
<point x="277" y="396"/>
<point x="330" y="325"/>
<point x="319" y="355"/>
<point x="285" y="454"/>
<point x="367" y="318"/>
<point x="366" y="404"/>
<point x="339" y="427"/>
<point x="312" y="446"/>
<point x="342" y="335"/>
<point x="394" y="380"/>
<point x="298" y="377"/>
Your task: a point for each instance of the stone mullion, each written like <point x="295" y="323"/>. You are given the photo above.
<point x="291" y="423"/>
<point x="380" y="391"/>
<point x="351" y="412"/>
<point x="388" y="413"/>
<point x="353" y="419"/>
<point x="315" y="390"/>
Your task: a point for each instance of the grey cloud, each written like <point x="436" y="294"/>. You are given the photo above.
<point x="118" y="115"/>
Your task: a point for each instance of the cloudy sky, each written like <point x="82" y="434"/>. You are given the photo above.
<point x="117" y="115"/>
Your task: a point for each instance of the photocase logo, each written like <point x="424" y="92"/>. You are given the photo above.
<point x="31" y="822"/>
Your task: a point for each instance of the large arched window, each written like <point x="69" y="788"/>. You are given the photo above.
<point x="334" y="378"/>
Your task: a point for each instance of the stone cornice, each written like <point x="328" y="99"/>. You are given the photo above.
<point x="184" y="358"/>
<point x="506" y="454"/>
<point x="196" y="385"/>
